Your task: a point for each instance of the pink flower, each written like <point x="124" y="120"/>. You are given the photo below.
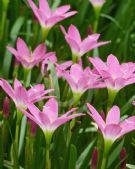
<point x="62" y="68"/>
<point x="48" y="17"/>
<point x="112" y="128"/>
<point x="27" y="58"/>
<point x="97" y="3"/>
<point x="21" y="96"/>
<point x="80" y="47"/>
<point x="115" y="75"/>
<point x="48" y="119"/>
<point x="51" y="56"/>
<point x="81" y="80"/>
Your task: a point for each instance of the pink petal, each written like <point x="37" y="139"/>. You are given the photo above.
<point x="68" y="14"/>
<point x="29" y="116"/>
<point x="114" y="68"/>
<point x="12" y="50"/>
<point x="62" y="9"/>
<point x="113" y="116"/>
<point x="98" y="64"/>
<point x="73" y="45"/>
<point x="44" y="120"/>
<point x="63" y="30"/>
<point x="76" y="72"/>
<point x="62" y="120"/>
<point x="53" y="20"/>
<point x="70" y="81"/>
<point x="96" y="117"/>
<point x="17" y="84"/>
<point x="21" y="97"/>
<point x="112" y="132"/>
<point x="22" y="48"/>
<point x="44" y="7"/>
<point x="73" y="33"/>
<point x="51" y="109"/>
<point x="40" y="51"/>
<point x="34" y="111"/>
<point x="35" y="10"/>
<point x="7" y="88"/>
<point x="69" y="112"/>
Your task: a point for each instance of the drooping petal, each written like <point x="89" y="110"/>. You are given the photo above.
<point x="113" y="116"/>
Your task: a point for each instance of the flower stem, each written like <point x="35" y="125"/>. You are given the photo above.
<point x="45" y="32"/>
<point x="111" y="96"/>
<point x="107" y="147"/>
<point x="47" y="158"/>
<point x="48" y="138"/>
<point x="27" y="77"/>
<point x="16" y="165"/>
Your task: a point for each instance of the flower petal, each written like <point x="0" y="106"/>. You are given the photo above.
<point x="96" y="117"/>
<point x="113" y="116"/>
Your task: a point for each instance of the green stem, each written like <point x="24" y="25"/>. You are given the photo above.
<point x="27" y="77"/>
<point x="16" y="165"/>
<point x="97" y="13"/>
<point x="45" y="32"/>
<point x="48" y="138"/>
<point x="47" y="158"/>
<point x="107" y="147"/>
<point x="111" y="97"/>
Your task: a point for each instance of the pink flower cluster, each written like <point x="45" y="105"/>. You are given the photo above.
<point x="110" y="74"/>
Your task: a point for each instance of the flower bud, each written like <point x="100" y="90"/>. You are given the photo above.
<point x="6" y="107"/>
<point x="94" y="158"/>
<point x="123" y="159"/>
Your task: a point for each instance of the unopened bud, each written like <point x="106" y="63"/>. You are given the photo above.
<point x="6" y="107"/>
<point x="94" y="160"/>
<point x="123" y="159"/>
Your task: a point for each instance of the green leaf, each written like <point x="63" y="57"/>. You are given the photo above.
<point x="22" y="134"/>
<point x="54" y="80"/>
<point x="72" y="157"/>
<point x="84" y="158"/>
<point x="114" y="155"/>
